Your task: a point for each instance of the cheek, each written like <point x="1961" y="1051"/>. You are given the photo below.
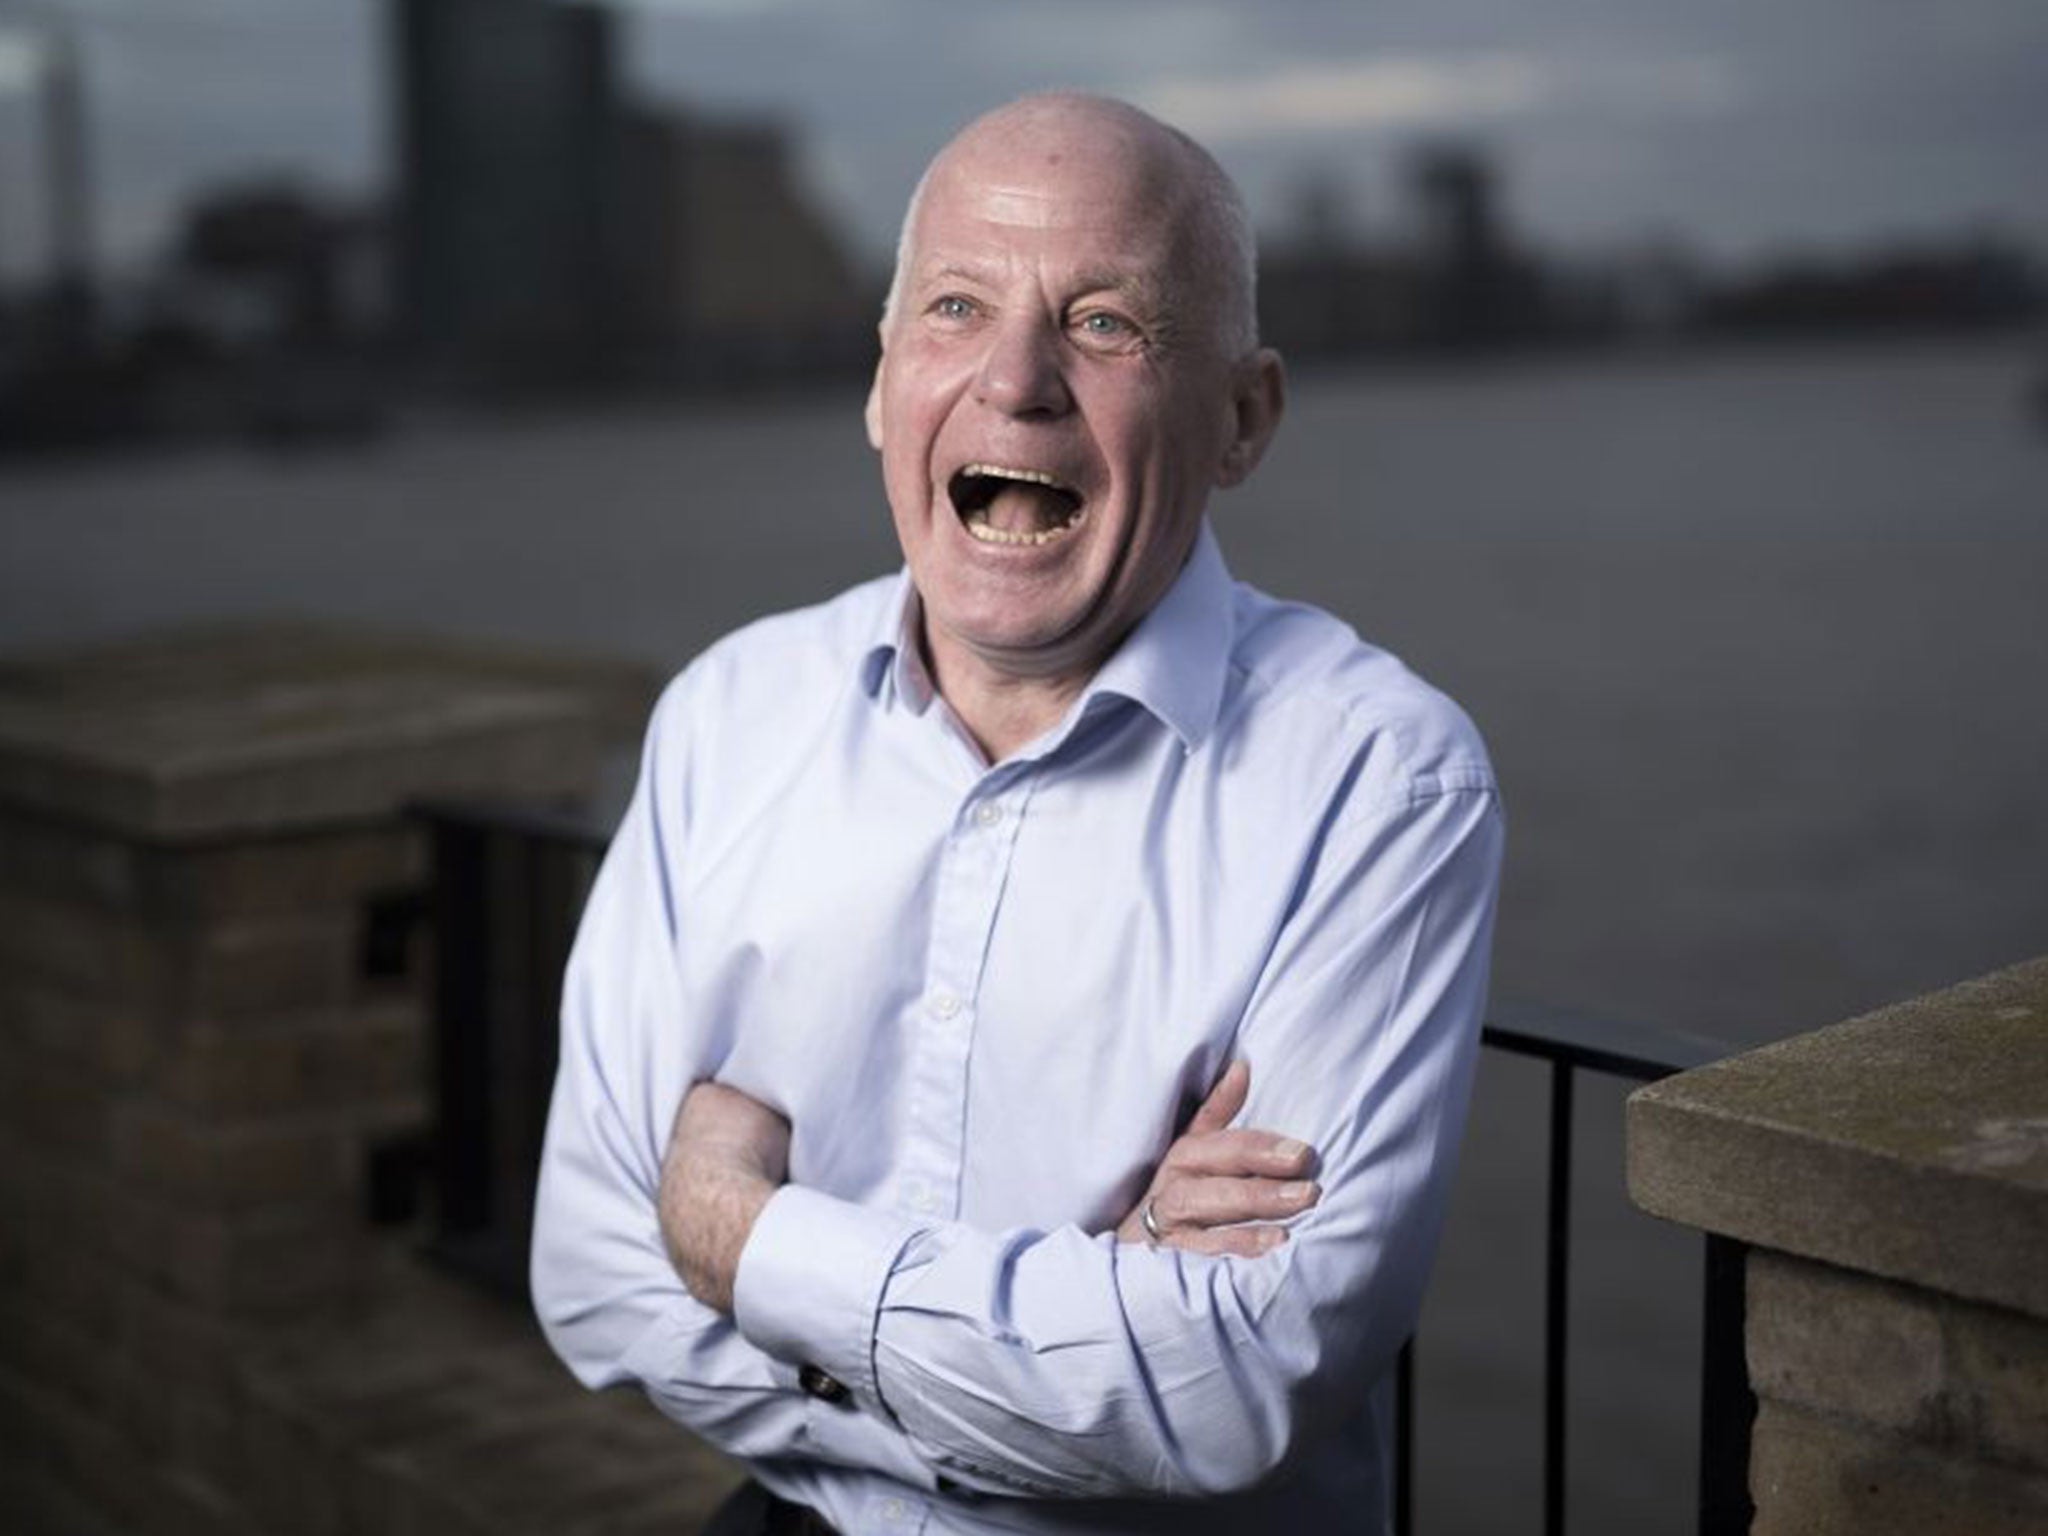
<point x="1188" y="445"/>
<point x="907" y="437"/>
<point x="903" y="478"/>
<point x="914" y="409"/>
<point x="1139" y="430"/>
<point x="906" y="474"/>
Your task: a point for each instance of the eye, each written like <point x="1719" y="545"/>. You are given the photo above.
<point x="1106" y="329"/>
<point x="952" y="306"/>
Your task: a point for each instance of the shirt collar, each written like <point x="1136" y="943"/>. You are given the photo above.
<point x="892" y="666"/>
<point x="1172" y="665"/>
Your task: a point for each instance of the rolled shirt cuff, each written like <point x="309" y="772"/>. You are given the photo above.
<point x="809" y="1287"/>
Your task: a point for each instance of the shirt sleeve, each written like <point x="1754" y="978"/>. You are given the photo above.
<point x="607" y="1296"/>
<point x="1067" y="1365"/>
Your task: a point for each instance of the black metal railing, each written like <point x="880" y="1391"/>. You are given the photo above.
<point x="507" y="886"/>
<point x="1571" y="1043"/>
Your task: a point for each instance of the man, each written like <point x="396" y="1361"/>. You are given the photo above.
<point x="955" y="896"/>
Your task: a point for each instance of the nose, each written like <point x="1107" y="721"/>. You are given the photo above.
<point x="1021" y="372"/>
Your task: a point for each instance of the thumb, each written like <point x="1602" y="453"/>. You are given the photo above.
<point x="1225" y="1099"/>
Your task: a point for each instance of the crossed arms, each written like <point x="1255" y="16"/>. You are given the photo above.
<point x="1058" y="1363"/>
<point x="1217" y="1190"/>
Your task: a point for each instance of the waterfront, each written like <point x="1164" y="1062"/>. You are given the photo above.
<point x="1759" y="642"/>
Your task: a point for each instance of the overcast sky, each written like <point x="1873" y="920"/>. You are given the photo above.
<point x="1739" y="124"/>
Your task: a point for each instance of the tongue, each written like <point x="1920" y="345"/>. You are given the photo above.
<point x="1021" y="507"/>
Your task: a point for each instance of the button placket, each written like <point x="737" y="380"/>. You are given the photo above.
<point x="973" y="866"/>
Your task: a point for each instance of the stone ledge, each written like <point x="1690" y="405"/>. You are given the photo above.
<point x="1910" y="1143"/>
<point x="272" y="727"/>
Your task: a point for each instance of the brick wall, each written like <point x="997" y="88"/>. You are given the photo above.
<point x="1883" y="1407"/>
<point x="199" y="1329"/>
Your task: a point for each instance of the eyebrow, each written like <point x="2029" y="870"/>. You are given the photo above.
<point x="1147" y="292"/>
<point x="953" y="270"/>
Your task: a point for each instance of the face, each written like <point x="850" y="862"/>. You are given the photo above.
<point x="1054" y="403"/>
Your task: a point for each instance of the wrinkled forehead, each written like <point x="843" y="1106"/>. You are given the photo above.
<point x="1095" y="199"/>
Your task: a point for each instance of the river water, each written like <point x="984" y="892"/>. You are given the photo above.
<point x="1759" y="641"/>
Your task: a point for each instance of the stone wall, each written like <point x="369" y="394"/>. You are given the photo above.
<point x="193" y="1074"/>
<point x="1891" y="1175"/>
<point x="199" y="1328"/>
<point x="1890" y="1407"/>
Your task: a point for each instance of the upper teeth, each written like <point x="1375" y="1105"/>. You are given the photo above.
<point x="1003" y="472"/>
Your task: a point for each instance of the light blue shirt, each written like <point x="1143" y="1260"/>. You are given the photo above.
<point x="986" y="998"/>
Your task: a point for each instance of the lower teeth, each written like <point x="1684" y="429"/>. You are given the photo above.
<point x="979" y="526"/>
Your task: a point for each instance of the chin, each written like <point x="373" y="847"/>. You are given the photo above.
<point x="998" y="638"/>
<point x="1027" y="640"/>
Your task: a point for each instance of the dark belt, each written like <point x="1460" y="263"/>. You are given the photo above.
<point x="754" y="1511"/>
<point x="787" y="1519"/>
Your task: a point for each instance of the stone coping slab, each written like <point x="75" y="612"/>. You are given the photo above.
<point x="274" y="726"/>
<point x="1910" y="1143"/>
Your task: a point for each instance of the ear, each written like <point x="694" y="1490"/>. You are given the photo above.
<point x="872" y="412"/>
<point x="1258" y="398"/>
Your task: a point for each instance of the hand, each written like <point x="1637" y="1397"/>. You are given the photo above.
<point x="726" y="1155"/>
<point x="1223" y="1191"/>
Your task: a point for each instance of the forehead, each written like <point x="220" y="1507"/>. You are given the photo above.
<point x="1103" y="206"/>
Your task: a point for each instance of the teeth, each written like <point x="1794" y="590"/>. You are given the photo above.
<point x="1004" y="472"/>
<point x="978" y="525"/>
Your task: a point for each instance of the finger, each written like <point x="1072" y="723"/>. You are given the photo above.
<point x="1224" y="1100"/>
<point x="1221" y="1202"/>
<point x="1245" y="1242"/>
<point x="1243" y="1154"/>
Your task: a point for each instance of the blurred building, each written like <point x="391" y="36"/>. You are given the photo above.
<point x="1456" y="280"/>
<point x="554" y="232"/>
<point x="508" y="115"/>
<point x="733" y="270"/>
<point x="278" y="264"/>
<point x="271" y="318"/>
<point x="1323" y="292"/>
<point x="1976" y="280"/>
<point x="1479" y="291"/>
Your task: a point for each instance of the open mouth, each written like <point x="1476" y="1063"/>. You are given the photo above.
<point x="1000" y="504"/>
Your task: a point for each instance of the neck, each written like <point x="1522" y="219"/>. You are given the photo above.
<point x="1002" y="710"/>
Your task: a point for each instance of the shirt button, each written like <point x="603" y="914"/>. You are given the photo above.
<point x="895" y="1510"/>
<point x="925" y="1200"/>
<point x="987" y="814"/>
<point x="822" y="1385"/>
<point x="945" y="1004"/>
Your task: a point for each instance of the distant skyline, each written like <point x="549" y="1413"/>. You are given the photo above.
<point x="1741" y="127"/>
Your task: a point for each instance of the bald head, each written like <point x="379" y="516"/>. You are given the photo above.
<point x="1169" y="174"/>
